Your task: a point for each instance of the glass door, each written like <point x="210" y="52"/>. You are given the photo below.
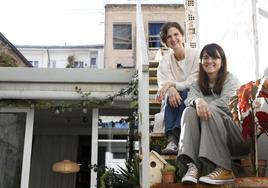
<point x="16" y="128"/>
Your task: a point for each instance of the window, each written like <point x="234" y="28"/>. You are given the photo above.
<point x="122" y="37"/>
<point x="192" y="45"/>
<point x="34" y="63"/>
<point x="190" y="2"/>
<point x="154" y="37"/>
<point x="54" y="64"/>
<point x="93" y="62"/>
<point x="78" y="64"/>
<point x="190" y="17"/>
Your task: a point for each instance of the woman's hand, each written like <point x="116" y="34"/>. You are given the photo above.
<point x="202" y="109"/>
<point x="162" y="92"/>
<point x="174" y="97"/>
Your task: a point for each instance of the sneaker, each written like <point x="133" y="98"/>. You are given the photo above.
<point x="171" y="149"/>
<point x="218" y="176"/>
<point x="191" y="175"/>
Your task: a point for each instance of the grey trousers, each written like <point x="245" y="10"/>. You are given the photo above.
<point x="214" y="140"/>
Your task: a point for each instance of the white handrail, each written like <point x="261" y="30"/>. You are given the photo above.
<point x="142" y="64"/>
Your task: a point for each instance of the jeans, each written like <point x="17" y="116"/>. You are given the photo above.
<point x="172" y="116"/>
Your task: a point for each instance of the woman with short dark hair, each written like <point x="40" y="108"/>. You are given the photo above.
<point x="176" y="71"/>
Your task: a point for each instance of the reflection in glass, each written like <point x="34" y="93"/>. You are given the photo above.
<point x="12" y="131"/>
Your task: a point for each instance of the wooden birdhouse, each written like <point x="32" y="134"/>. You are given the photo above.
<point x="156" y="163"/>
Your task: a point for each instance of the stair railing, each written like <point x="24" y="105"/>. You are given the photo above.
<point x="142" y="65"/>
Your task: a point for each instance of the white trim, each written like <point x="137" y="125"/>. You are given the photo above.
<point x="55" y="95"/>
<point x="143" y="75"/>
<point x="26" y="162"/>
<point x="112" y="141"/>
<point x="94" y="146"/>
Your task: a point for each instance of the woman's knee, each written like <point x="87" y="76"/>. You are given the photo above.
<point x="189" y="114"/>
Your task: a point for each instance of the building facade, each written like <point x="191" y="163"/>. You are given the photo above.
<point x="86" y="56"/>
<point x="120" y="30"/>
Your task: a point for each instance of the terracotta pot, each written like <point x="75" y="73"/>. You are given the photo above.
<point x="255" y="182"/>
<point x="247" y="168"/>
<point x="168" y="177"/>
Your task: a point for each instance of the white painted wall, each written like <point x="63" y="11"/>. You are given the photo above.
<point x="59" y="55"/>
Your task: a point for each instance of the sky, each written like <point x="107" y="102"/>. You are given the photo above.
<point x="57" y="22"/>
<point x="233" y="30"/>
<point x="81" y="22"/>
<point x="53" y="22"/>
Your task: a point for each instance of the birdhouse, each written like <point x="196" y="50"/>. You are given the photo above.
<point x="156" y="163"/>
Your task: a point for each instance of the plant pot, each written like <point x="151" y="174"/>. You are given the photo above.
<point x="168" y="177"/>
<point x="247" y="170"/>
<point x="246" y="182"/>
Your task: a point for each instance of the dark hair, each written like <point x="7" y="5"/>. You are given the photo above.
<point x="212" y="50"/>
<point x="166" y="27"/>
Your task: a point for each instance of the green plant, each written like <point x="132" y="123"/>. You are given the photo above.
<point x="130" y="175"/>
<point x="71" y="63"/>
<point x="158" y="141"/>
<point x="168" y="168"/>
<point x="7" y="61"/>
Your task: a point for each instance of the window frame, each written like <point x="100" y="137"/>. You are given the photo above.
<point x="158" y="39"/>
<point x="116" y="44"/>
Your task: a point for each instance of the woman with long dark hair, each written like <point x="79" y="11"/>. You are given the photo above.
<point x="209" y="136"/>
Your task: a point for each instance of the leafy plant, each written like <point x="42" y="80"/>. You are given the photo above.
<point x="71" y="63"/>
<point x="158" y="141"/>
<point x="168" y="168"/>
<point x="130" y="175"/>
<point x="7" y="61"/>
<point x="245" y="109"/>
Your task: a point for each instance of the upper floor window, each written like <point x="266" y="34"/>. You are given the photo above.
<point x="78" y="64"/>
<point x="34" y="63"/>
<point x="192" y="44"/>
<point x="154" y="37"/>
<point x="54" y="63"/>
<point x="190" y="2"/>
<point x="93" y="62"/>
<point x="190" y="17"/>
<point x="122" y="36"/>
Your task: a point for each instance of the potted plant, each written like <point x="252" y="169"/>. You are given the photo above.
<point x="157" y="143"/>
<point x="245" y="107"/>
<point x="168" y="173"/>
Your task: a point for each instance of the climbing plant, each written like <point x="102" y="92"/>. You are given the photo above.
<point x="86" y="100"/>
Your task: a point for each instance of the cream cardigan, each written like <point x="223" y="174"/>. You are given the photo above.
<point x="183" y="72"/>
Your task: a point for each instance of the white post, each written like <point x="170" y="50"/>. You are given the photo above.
<point x="143" y="76"/>
<point x="256" y="38"/>
<point x="26" y="164"/>
<point x="94" y="146"/>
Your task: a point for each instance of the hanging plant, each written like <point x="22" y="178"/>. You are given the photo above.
<point x="87" y="102"/>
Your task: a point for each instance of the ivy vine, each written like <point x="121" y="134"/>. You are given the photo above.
<point x="87" y="102"/>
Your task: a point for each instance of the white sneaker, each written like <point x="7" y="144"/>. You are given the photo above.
<point x="218" y="176"/>
<point x="191" y="175"/>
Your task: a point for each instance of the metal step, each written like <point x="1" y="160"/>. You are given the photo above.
<point x="153" y="63"/>
<point x="180" y="185"/>
<point x="152" y="80"/>
<point x="157" y="135"/>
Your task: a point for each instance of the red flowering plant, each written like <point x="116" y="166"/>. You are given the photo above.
<point x="245" y="107"/>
